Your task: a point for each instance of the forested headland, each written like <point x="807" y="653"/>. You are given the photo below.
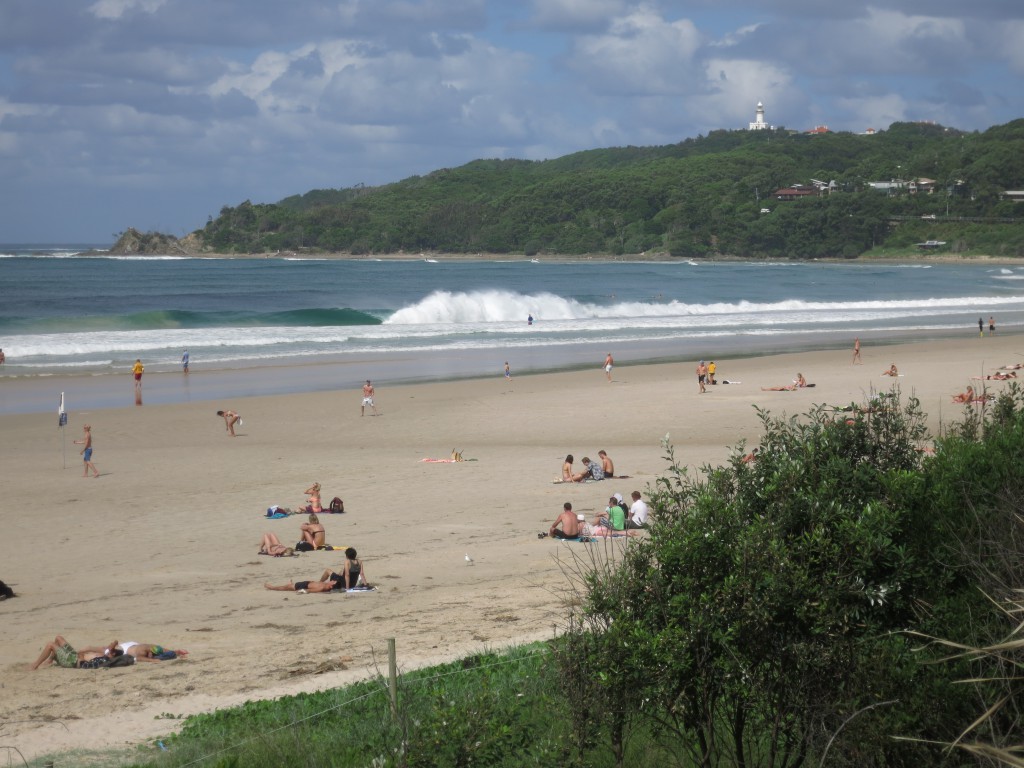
<point x="710" y="196"/>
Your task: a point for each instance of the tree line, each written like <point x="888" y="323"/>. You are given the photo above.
<point x="705" y="196"/>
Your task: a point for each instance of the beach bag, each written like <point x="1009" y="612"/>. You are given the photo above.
<point x="303" y="546"/>
<point x="337" y="505"/>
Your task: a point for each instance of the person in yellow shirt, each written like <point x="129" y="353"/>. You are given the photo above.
<point x="137" y="370"/>
<point x="711" y="372"/>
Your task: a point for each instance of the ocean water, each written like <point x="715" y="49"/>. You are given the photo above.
<point x="416" y="319"/>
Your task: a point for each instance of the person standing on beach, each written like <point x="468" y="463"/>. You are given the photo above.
<point x="86" y="443"/>
<point x="3" y="358"/>
<point x="529" y="319"/>
<point x="991" y="325"/>
<point x="981" y="327"/>
<point x="856" y="351"/>
<point x="608" y="363"/>
<point x="137" y="371"/>
<point x="508" y="371"/>
<point x="230" y="419"/>
<point x="702" y="374"/>
<point x="368" y="399"/>
<point x="184" y="362"/>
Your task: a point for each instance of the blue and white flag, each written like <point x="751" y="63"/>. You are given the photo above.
<point x="62" y="416"/>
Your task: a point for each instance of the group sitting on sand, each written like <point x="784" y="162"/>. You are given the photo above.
<point x="592" y="470"/>
<point x="618" y="518"/>
<point x="798" y="383"/>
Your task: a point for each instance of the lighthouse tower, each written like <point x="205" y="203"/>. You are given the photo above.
<point x="759" y="124"/>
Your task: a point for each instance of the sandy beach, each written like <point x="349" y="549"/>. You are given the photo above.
<point x="162" y="547"/>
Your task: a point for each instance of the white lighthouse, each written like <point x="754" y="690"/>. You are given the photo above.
<point x="759" y="124"/>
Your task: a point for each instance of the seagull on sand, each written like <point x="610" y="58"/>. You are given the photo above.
<point x="469" y="560"/>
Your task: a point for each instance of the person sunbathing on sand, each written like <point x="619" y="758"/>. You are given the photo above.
<point x="146" y="651"/>
<point x="567" y="476"/>
<point x="314" y="505"/>
<point x="303" y="586"/>
<point x="313" y="532"/>
<point x="969" y="396"/>
<point x="892" y="371"/>
<point x="798" y="383"/>
<point x="271" y="545"/>
<point x="1000" y="376"/>
<point x="1012" y="367"/>
<point x="61" y="653"/>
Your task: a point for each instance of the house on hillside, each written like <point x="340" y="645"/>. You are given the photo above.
<point x="818" y="130"/>
<point x="795" y="192"/>
<point x="1015" y="195"/>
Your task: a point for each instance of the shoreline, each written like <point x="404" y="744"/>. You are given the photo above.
<point x="161" y="547"/>
<point x="34" y="393"/>
<point x="635" y="258"/>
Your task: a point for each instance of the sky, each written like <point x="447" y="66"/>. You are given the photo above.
<point x="155" y="114"/>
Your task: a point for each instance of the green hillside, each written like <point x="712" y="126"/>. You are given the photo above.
<point x="701" y="197"/>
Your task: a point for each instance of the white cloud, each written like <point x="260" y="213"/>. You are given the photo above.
<point x="641" y="53"/>
<point x="574" y="13"/>
<point x="735" y="86"/>
<point x="115" y="9"/>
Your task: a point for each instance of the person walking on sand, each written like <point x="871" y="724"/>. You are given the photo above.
<point x="137" y="371"/>
<point x="368" y="399"/>
<point x="856" y="351"/>
<point x="991" y="325"/>
<point x="508" y="371"/>
<point x="230" y="419"/>
<point x="608" y="363"/>
<point x="184" y="362"/>
<point x="702" y="374"/>
<point x="86" y="442"/>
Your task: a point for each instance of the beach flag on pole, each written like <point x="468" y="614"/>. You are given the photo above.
<point x="62" y="416"/>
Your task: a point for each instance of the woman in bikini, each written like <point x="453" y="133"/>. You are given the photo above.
<point x="271" y="545"/>
<point x="313" y="532"/>
<point x="315" y="505"/>
<point x="966" y="396"/>
<point x="567" y="476"/>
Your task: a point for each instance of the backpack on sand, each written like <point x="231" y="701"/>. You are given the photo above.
<point x="337" y="505"/>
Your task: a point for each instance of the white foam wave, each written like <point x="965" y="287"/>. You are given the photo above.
<point x="495" y="306"/>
